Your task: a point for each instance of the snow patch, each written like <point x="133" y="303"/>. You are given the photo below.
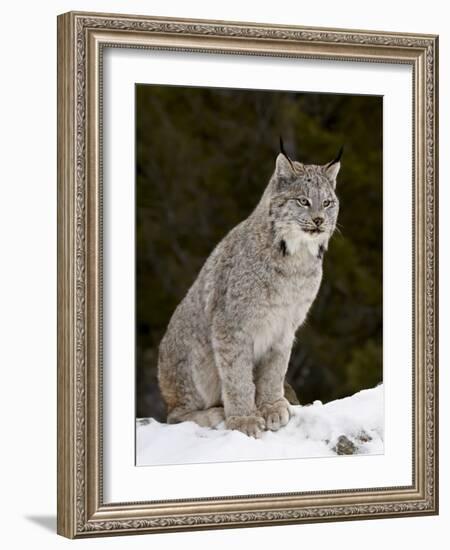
<point x="353" y="425"/>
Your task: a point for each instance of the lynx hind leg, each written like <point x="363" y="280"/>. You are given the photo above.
<point x="290" y="395"/>
<point x="208" y="418"/>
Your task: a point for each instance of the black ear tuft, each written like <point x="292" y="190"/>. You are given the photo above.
<point x="338" y="158"/>
<point x="283" y="152"/>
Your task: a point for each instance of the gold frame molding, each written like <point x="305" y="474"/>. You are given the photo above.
<point x="81" y="39"/>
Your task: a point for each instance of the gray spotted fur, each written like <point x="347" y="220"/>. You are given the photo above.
<point x="227" y="346"/>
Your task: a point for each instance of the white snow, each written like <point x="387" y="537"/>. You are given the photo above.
<point x="313" y="431"/>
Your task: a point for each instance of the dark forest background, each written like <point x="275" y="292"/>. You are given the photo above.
<point x="203" y="159"/>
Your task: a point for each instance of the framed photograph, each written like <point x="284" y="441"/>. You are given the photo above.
<point x="247" y="274"/>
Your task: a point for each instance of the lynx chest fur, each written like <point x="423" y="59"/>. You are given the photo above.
<point x="227" y="347"/>
<point x="295" y="282"/>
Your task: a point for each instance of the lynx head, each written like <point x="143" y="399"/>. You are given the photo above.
<point x="303" y="203"/>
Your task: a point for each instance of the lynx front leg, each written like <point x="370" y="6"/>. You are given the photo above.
<point x="269" y="378"/>
<point x="234" y="358"/>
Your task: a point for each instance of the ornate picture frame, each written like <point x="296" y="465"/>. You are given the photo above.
<point x="82" y="38"/>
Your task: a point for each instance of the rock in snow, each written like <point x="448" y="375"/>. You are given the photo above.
<point x="353" y="425"/>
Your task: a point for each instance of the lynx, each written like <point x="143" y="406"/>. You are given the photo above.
<point x="226" y="350"/>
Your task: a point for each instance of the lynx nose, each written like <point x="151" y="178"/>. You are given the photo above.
<point x="318" y="221"/>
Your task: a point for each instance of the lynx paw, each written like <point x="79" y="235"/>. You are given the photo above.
<point x="253" y="426"/>
<point x="275" y="414"/>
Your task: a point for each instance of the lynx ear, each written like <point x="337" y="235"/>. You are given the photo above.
<point x="333" y="167"/>
<point x="284" y="166"/>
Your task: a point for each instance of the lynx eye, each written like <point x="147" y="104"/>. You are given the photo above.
<point x="303" y="202"/>
<point x="326" y="203"/>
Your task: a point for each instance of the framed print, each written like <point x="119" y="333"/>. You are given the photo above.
<point x="247" y="289"/>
